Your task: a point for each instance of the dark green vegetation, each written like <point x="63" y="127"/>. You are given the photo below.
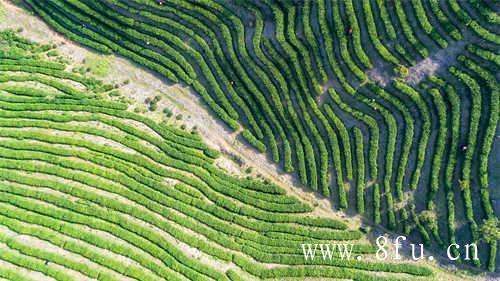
<point x="294" y="75"/>
<point x="123" y="196"/>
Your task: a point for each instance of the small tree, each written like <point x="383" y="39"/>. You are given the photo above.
<point x="490" y="230"/>
<point x="401" y="71"/>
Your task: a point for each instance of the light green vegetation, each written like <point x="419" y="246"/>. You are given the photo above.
<point x="132" y="198"/>
<point x="295" y="78"/>
<point x="97" y="64"/>
<point x="2" y="11"/>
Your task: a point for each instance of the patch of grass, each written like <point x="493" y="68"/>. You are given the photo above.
<point x="140" y="109"/>
<point x="2" y="11"/>
<point x="97" y="64"/>
<point x="52" y="53"/>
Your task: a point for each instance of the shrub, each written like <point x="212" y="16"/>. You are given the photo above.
<point x="401" y="71"/>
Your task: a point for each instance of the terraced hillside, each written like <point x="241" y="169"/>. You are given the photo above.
<point x="388" y="107"/>
<point x="90" y="190"/>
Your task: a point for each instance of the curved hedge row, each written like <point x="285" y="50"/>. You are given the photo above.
<point x="360" y="168"/>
